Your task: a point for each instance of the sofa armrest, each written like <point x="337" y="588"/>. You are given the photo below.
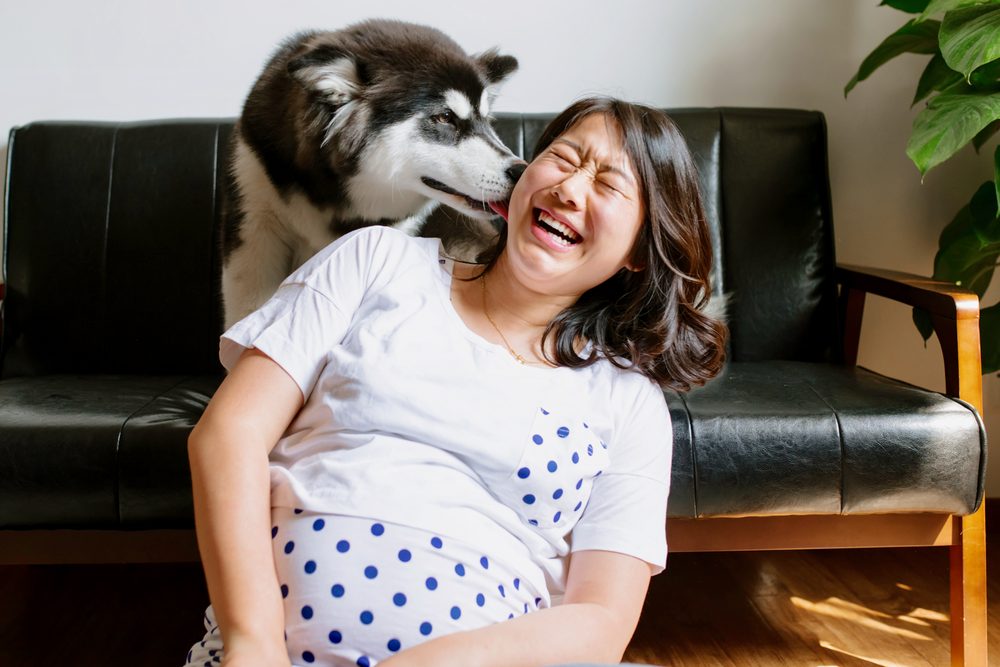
<point x="954" y="312"/>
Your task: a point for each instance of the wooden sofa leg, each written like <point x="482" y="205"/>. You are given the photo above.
<point x="968" y="592"/>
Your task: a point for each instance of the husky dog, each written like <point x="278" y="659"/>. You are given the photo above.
<point x="374" y="124"/>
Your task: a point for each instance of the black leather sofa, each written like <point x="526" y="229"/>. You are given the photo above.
<point x="110" y="333"/>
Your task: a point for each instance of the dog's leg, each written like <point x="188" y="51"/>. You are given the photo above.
<point x="253" y="272"/>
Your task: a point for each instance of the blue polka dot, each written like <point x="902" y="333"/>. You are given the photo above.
<point x="510" y="616"/>
<point x="310" y="566"/>
<point x="307" y="656"/>
<point x="557" y="494"/>
<point x="598" y="473"/>
<point x="544" y="411"/>
<point x="436" y="542"/>
<point x="399" y="599"/>
<point x="523" y="473"/>
<point x="529" y="499"/>
<point x="284" y="590"/>
<point x="307" y="612"/>
<point x="343" y="546"/>
<point x="456" y="613"/>
<point x="480" y="599"/>
<point x="525" y="607"/>
<point x="503" y="594"/>
<point x="538" y="601"/>
<point x="274" y="531"/>
<point x="555" y="519"/>
<point x="552" y="466"/>
<point x="562" y="432"/>
<point x="460" y="570"/>
<point x="367" y="617"/>
<point x="363" y="661"/>
<point x="405" y="555"/>
<point x="517" y="584"/>
<point x="578" y="506"/>
<point x="289" y="546"/>
<point x="604" y="444"/>
<point x="337" y="591"/>
<point x="590" y="450"/>
<point x="318" y="524"/>
<point x="431" y="583"/>
<point x="426" y="628"/>
<point x="336" y="637"/>
<point x="484" y="562"/>
<point x="585" y="425"/>
<point x="533" y="522"/>
<point x="576" y="457"/>
<point x="537" y="439"/>
<point x="371" y="571"/>
<point x="377" y="529"/>
<point x="394" y="645"/>
<point x="579" y="484"/>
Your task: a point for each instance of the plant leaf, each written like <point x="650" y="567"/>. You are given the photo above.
<point x="937" y="76"/>
<point x="948" y="123"/>
<point x="996" y="170"/>
<point x="989" y="337"/>
<point x="987" y="132"/>
<point x="908" y="6"/>
<point x="924" y="323"/>
<point x="986" y="77"/>
<point x="911" y="38"/>
<point x="938" y="6"/>
<point x="983" y="209"/>
<point x="969" y="37"/>
<point x="965" y="257"/>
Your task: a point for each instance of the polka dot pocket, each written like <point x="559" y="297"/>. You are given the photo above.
<point x="551" y="485"/>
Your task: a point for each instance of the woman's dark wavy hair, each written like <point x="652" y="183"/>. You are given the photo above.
<point x="651" y="319"/>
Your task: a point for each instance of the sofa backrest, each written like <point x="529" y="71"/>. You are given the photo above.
<point x="112" y="230"/>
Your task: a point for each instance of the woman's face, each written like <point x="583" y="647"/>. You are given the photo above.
<point x="576" y="211"/>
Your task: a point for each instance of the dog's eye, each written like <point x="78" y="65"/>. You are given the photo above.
<point x="445" y="117"/>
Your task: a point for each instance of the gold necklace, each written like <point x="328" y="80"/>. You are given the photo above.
<point x="513" y="352"/>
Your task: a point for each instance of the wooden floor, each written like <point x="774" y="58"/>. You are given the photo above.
<point x="847" y="608"/>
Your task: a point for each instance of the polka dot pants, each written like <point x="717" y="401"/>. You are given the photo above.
<point x="356" y="591"/>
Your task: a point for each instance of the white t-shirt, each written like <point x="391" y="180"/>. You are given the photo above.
<point x="411" y="417"/>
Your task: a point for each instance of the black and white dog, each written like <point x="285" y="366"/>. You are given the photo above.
<point x="373" y="124"/>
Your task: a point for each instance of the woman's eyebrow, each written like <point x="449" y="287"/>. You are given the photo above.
<point x="601" y="167"/>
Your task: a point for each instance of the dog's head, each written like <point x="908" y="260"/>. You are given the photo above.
<point x="406" y="112"/>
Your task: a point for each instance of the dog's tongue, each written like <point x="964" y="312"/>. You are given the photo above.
<point x="500" y="208"/>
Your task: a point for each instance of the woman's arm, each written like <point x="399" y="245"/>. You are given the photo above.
<point x="228" y="452"/>
<point x="604" y="595"/>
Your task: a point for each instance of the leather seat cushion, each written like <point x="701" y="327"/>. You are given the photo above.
<point x="101" y="451"/>
<point x="783" y="437"/>
<point x="763" y="438"/>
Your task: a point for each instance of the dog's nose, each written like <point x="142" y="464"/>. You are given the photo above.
<point x="514" y="171"/>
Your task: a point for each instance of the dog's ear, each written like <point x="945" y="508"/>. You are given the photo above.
<point x="497" y="67"/>
<point x="329" y="71"/>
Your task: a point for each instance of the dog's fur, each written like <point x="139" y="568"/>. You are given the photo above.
<point x="372" y="124"/>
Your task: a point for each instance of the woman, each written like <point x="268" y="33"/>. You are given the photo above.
<point x="466" y="464"/>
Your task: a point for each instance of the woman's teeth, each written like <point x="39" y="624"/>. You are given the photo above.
<point x="562" y="234"/>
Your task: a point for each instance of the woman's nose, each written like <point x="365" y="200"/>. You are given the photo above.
<point x="571" y="191"/>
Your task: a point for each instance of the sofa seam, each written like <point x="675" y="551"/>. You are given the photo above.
<point x="121" y="432"/>
<point x="840" y="440"/>
<point x="694" y="454"/>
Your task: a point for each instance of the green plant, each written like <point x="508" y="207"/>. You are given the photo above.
<point x="961" y="84"/>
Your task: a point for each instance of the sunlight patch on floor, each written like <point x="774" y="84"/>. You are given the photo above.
<point x="848" y="611"/>
<point x="875" y="661"/>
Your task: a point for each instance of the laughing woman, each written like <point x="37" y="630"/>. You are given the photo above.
<point x="416" y="461"/>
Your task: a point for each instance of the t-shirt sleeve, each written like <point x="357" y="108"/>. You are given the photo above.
<point x="312" y="309"/>
<point x="627" y="511"/>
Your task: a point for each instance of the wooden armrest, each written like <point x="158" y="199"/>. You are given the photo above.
<point x="954" y="312"/>
<point x="934" y="296"/>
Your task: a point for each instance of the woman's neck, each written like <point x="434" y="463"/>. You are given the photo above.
<point x="518" y="305"/>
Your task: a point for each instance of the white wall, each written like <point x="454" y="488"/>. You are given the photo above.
<point x="118" y="59"/>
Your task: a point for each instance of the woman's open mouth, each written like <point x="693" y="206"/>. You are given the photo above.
<point x="559" y="234"/>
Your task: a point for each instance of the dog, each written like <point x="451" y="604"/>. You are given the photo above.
<point x="374" y="124"/>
